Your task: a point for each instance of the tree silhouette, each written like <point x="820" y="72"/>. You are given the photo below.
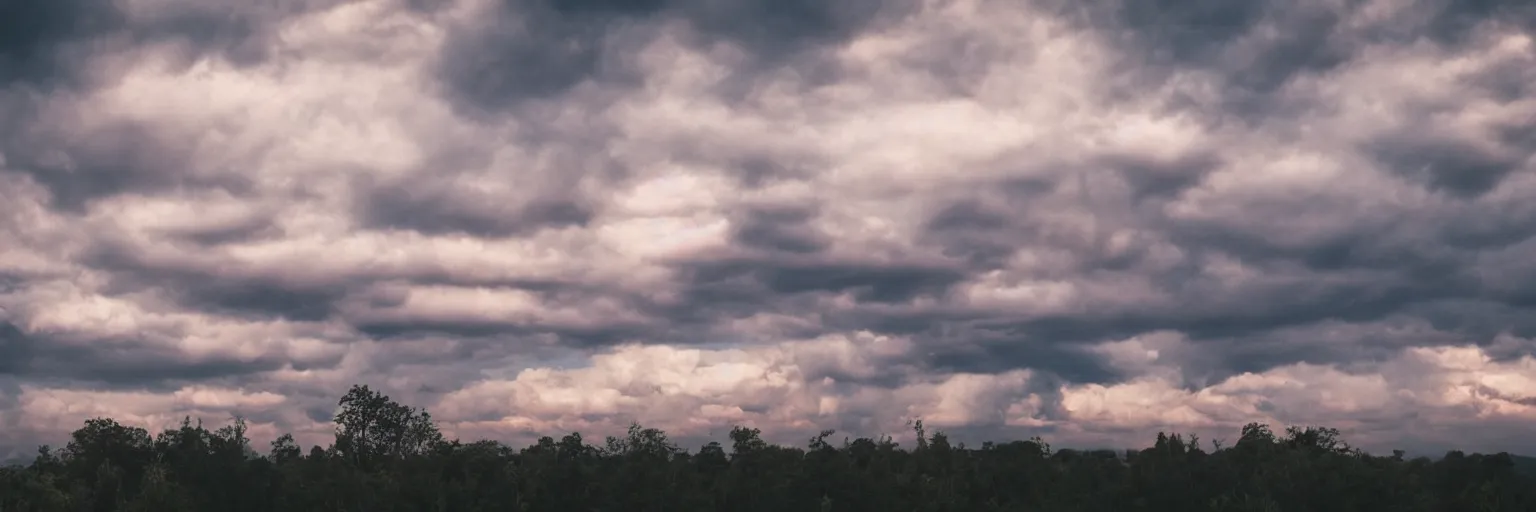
<point x="386" y="456"/>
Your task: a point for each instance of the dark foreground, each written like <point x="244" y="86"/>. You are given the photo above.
<point x="389" y="457"/>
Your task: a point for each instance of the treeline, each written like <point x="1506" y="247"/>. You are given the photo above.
<point x="390" y="457"/>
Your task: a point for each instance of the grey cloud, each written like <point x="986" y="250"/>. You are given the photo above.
<point x="1453" y="21"/>
<point x="241" y="230"/>
<point x="783" y="229"/>
<point x="78" y="167"/>
<point x="1221" y="37"/>
<point x="959" y="340"/>
<point x="1191" y="29"/>
<point x="118" y="362"/>
<point x="1511" y="347"/>
<point x="1255" y="48"/>
<point x="51" y="47"/>
<point x="925" y="324"/>
<point x="867" y="281"/>
<point x="531" y="49"/>
<point x="432" y="209"/>
<point x="1444" y="164"/>
<point x="1255" y="279"/>
<point x="1363" y="275"/>
<point x="207" y="290"/>
<point x="15" y="349"/>
<point x="771" y="28"/>
<point x="371" y="310"/>
<point x="757" y="171"/>
<point x="142" y="367"/>
<point x="210" y="29"/>
<point x="1321" y="343"/>
<point x="429" y="6"/>
<point x="1215" y="312"/>
<point x="465" y="188"/>
<point x="1480" y="319"/>
<point x="284" y="300"/>
<point x="1155" y="178"/>
<point x="1000" y="352"/>
<point x="521" y="54"/>
<point x="1466" y="165"/>
<point x="1494" y="393"/>
<point x="595" y="335"/>
<point x="38" y="40"/>
<point x="240" y="33"/>
<point x="991" y="224"/>
<point x="48" y="44"/>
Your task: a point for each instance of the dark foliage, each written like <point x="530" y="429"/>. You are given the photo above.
<point x="387" y="457"/>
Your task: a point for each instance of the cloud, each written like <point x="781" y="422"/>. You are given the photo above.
<point x="1436" y="398"/>
<point x="1086" y="220"/>
<point x="516" y="50"/>
<point x="800" y="385"/>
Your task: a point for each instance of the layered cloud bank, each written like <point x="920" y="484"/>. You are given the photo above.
<point x="1088" y="221"/>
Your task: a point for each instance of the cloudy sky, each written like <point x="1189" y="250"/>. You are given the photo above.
<point x="1085" y="220"/>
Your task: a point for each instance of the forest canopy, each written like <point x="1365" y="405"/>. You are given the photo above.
<point x="391" y="457"/>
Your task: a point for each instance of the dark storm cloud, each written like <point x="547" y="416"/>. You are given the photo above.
<point x="1370" y="272"/>
<point x="596" y="335"/>
<point x="435" y="209"/>
<point x="756" y="171"/>
<point x="15" y="349"/>
<point x="1454" y="167"/>
<point x="772" y="29"/>
<point x="124" y="158"/>
<point x="530" y="49"/>
<point x="50" y="43"/>
<point x="966" y="215"/>
<point x="1258" y="47"/>
<point x="1454" y="20"/>
<point x="930" y="327"/>
<point x="261" y="297"/>
<point x="207" y="290"/>
<point x="117" y="362"/>
<point x="1215" y="316"/>
<point x="290" y="301"/>
<point x="1097" y="245"/>
<point x="865" y="281"/>
<point x="1461" y="164"/>
<point x="522" y="53"/>
<point x="1209" y="33"/>
<point x="1154" y="178"/>
<point x="1477" y="319"/>
<point x="40" y="41"/>
<point x="1190" y="29"/>
<point x="243" y="230"/>
<point x="990" y="225"/>
<point x="780" y="229"/>
<point x="141" y="368"/>
<point x="45" y="46"/>
<point x="1359" y="276"/>
<point x="1393" y="248"/>
<point x="1054" y="344"/>
<point x="237" y="35"/>
<point x="998" y="352"/>
<point x="1494" y="393"/>
<point x="981" y="231"/>
<point x="375" y="314"/>
<point x="48" y="46"/>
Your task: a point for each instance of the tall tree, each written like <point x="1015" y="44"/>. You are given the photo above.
<point x="371" y="428"/>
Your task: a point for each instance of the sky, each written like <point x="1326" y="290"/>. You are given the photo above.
<point x="1086" y="220"/>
